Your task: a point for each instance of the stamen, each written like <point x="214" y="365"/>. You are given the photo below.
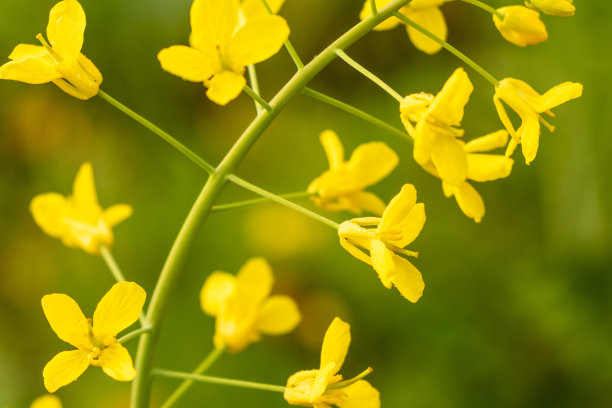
<point x="353" y="380"/>
<point x="48" y="47"/>
<point x="548" y="126"/>
<point x="405" y="252"/>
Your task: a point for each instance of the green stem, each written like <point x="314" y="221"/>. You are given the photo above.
<point x="164" y="135"/>
<point x="259" y="101"/>
<point x="485" y="7"/>
<point x="294" y="56"/>
<point x="369" y="75"/>
<point x="201" y="368"/>
<point x="254" y="85"/>
<point x="278" y="199"/>
<point x="116" y="272"/>
<point x="171" y="270"/>
<point x="134" y="334"/>
<point x="450" y="48"/>
<point x="355" y="112"/>
<point x="254" y="201"/>
<point x="373" y="7"/>
<point x="218" y="380"/>
<point x="111" y="263"/>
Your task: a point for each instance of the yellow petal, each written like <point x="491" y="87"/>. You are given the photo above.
<point x="365" y="201"/>
<point x="254" y="281"/>
<point x="370" y="163"/>
<point x="66" y="29"/>
<point x="49" y="211"/>
<point x="450" y="159"/>
<point x="447" y="107"/>
<point x="278" y="315"/>
<point x="224" y="87"/>
<point x="360" y="395"/>
<point x="529" y="133"/>
<point x="408" y="279"/>
<point x="118" y="309"/>
<point x="383" y="262"/>
<point x="30" y="64"/>
<point x="366" y="12"/>
<point x="470" y="202"/>
<point x="187" y="63"/>
<point x="431" y="19"/>
<point x="335" y="344"/>
<point x="257" y="40"/>
<point x="488" y="167"/>
<point x="520" y="25"/>
<point x="84" y="195"/>
<point x="117" y="363"/>
<point x="64" y="368"/>
<point x="409" y="228"/>
<point x="488" y="142"/>
<point x="46" y="401"/>
<point x="216" y="289"/>
<point x="117" y="213"/>
<point x="212" y="23"/>
<point x="255" y="8"/>
<point x="66" y="319"/>
<point x="557" y="96"/>
<point x="399" y="207"/>
<point x="333" y="148"/>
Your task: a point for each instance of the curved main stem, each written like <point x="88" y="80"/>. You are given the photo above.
<point x="141" y="387"/>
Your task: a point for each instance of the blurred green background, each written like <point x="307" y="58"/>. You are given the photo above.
<point x="516" y="311"/>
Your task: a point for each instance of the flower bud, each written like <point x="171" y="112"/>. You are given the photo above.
<point x="520" y="25"/>
<point x="563" y="8"/>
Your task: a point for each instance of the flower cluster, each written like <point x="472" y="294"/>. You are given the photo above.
<point x="227" y="36"/>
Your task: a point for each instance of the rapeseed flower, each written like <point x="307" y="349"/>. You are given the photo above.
<point x="46" y="401"/>
<point x="95" y="339"/>
<point x="323" y="387"/>
<point x="520" y="26"/>
<point x="425" y="13"/>
<point x="222" y="46"/>
<point x="563" y="8"/>
<point x="380" y="245"/>
<point x="436" y="132"/>
<point x="244" y="308"/>
<point x="78" y="220"/>
<point x="341" y="187"/>
<point x="61" y="62"/>
<point x="529" y="104"/>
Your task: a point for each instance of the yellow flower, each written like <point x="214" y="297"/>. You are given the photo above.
<point x="481" y="168"/>
<point x="437" y="118"/>
<point x="426" y="13"/>
<point x="400" y="224"/>
<point x="529" y="104"/>
<point x="78" y="220"/>
<point x="46" y="401"/>
<point x="94" y="339"/>
<point x="520" y="25"/>
<point x="323" y="388"/>
<point x="562" y="8"/>
<point x="341" y="187"/>
<point x="221" y="47"/>
<point x="255" y="8"/>
<point x="61" y="62"/>
<point x="244" y="308"/>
